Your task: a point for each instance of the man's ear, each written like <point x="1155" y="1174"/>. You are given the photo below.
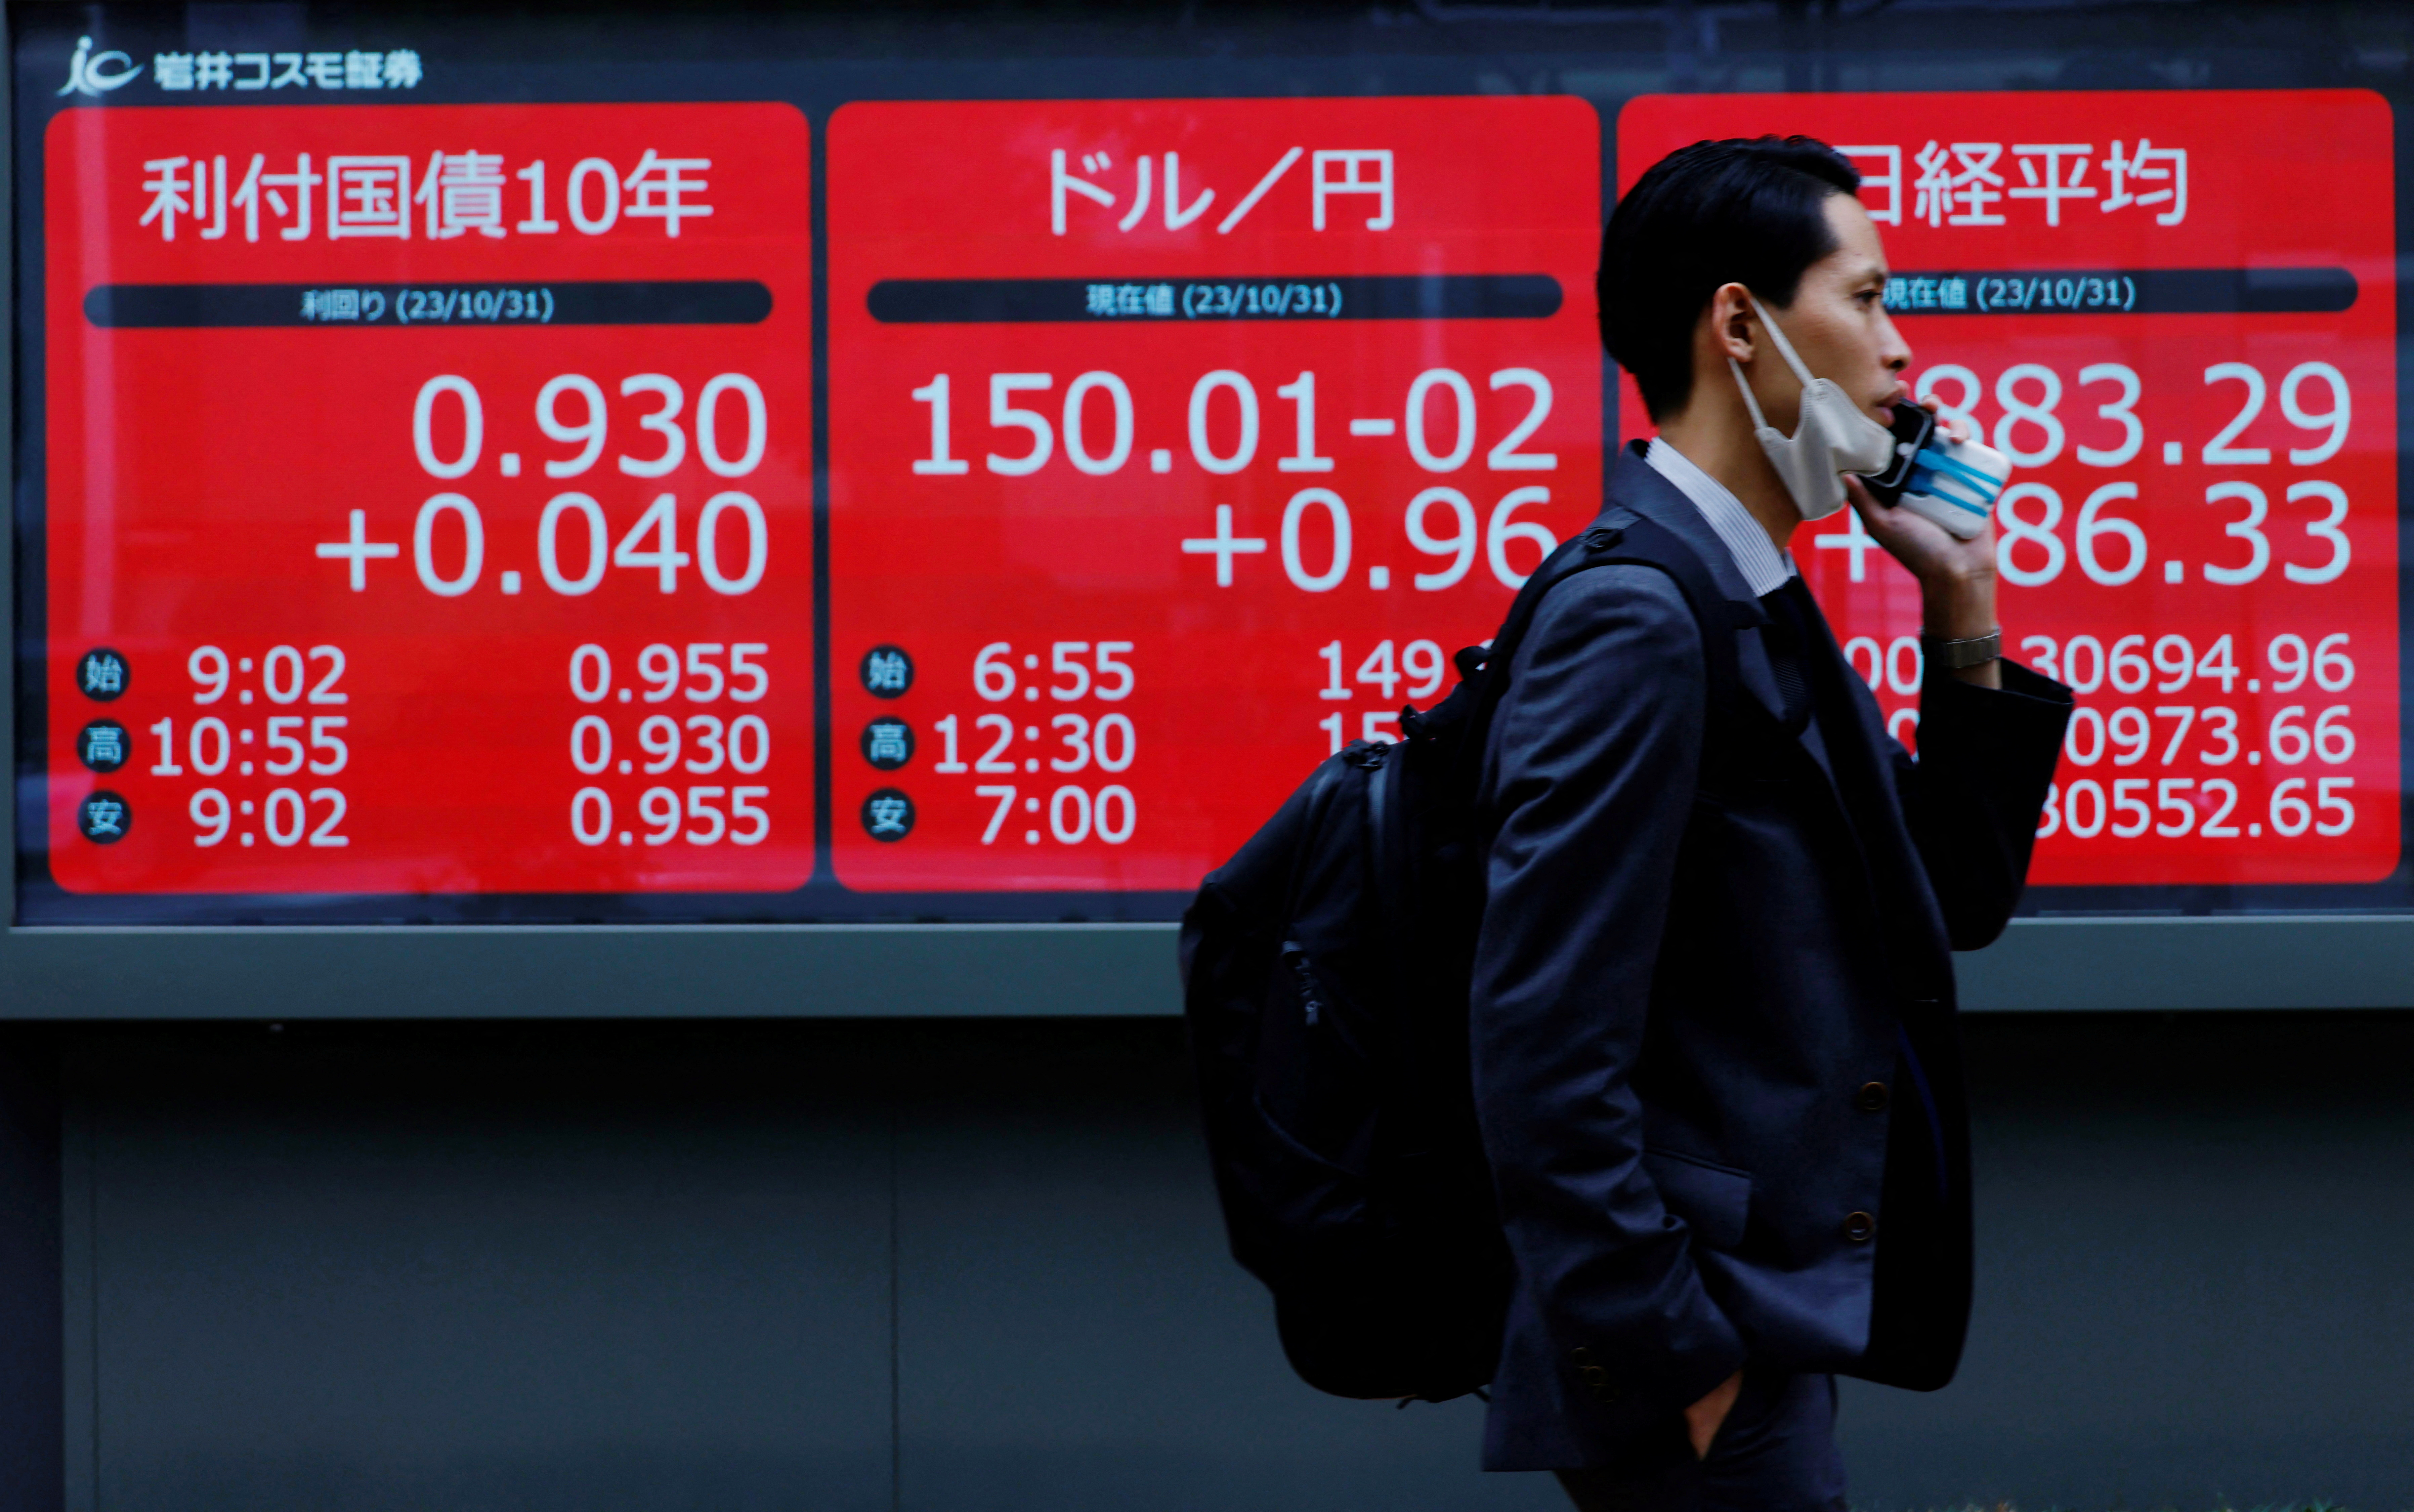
<point x="1731" y="322"/>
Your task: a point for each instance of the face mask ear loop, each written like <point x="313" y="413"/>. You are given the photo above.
<point x="1758" y="421"/>
<point x="1784" y="347"/>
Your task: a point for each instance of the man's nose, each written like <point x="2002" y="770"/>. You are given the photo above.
<point x="1897" y="352"/>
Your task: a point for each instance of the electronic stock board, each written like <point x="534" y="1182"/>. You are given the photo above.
<point x="443" y="504"/>
<point x="2176" y="313"/>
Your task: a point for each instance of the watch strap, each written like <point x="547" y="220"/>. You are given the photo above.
<point x="1957" y="656"/>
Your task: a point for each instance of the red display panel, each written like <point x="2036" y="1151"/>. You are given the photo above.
<point x="1174" y="443"/>
<point x="2176" y="313"/>
<point x="429" y="499"/>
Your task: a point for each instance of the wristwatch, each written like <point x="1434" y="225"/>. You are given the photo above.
<point x="1956" y="655"/>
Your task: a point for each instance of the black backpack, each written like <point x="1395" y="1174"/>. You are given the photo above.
<point x="1325" y="974"/>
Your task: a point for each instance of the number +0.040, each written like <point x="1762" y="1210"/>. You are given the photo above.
<point x="456" y="514"/>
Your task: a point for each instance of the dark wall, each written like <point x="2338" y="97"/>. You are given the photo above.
<point x="2196" y="1271"/>
<point x="32" y="1395"/>
<point x="969" y="1267"/>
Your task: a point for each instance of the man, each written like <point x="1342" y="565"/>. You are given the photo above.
<point x="1713" y="1033"/>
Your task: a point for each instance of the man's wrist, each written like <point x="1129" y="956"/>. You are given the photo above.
<point x="1959" y="607"/>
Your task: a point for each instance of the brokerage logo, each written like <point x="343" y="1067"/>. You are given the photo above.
<point x="93" y="74"/>
<point x="97" y="73"/>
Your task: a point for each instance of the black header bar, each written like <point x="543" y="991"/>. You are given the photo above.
<point x="2131" y="291"/>
<point x="156" y="305"/>
<point x="1477" y="296"/>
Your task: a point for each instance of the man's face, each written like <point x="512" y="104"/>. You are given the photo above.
<point x="1837" y="323"/>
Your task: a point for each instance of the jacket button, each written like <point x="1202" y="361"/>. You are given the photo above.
<point x="1595" y="1378"/>
<point x="1860" y="1227"/>
<point x="1872" y="1097"/>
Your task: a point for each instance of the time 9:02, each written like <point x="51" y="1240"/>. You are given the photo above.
<point x="283" y="672"/>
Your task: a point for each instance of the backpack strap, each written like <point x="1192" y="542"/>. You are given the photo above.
<point x="1647" y="543"/>
<point x="1622" y="538"/>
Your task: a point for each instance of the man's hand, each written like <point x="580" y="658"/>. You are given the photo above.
<point x="1703" y="1419"/>
<point x="1956" y="577"/>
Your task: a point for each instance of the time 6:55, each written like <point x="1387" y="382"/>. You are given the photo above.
<point x="993" y="671"/>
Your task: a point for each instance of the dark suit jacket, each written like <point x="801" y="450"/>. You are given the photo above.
<point x="1714" y="1053"/>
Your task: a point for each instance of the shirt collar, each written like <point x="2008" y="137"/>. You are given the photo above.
<point x="1764" y="567"/>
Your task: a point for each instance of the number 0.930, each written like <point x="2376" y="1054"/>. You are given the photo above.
<point x="589" y="431"/>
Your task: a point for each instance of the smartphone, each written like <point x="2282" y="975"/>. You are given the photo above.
<point x="1912" y="427"/>
<point x="1954" y="484"/>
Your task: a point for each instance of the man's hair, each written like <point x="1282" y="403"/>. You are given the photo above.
<point x="1749" y="211"/>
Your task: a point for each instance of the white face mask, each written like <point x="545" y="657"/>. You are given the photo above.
<point x="1834" y="436"/>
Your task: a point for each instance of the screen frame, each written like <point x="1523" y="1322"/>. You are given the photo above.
<point x="582" y="971"/>
<point x="945" y="970"/>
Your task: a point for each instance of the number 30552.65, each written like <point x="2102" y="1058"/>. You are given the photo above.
<point x="2127" y="808"/>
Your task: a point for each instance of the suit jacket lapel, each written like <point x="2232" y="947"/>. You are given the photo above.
<point x="1885" y="841"/>
<point x="1889" y="860"/>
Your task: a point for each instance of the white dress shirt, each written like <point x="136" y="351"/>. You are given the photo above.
<point x="1764" y="567"/>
